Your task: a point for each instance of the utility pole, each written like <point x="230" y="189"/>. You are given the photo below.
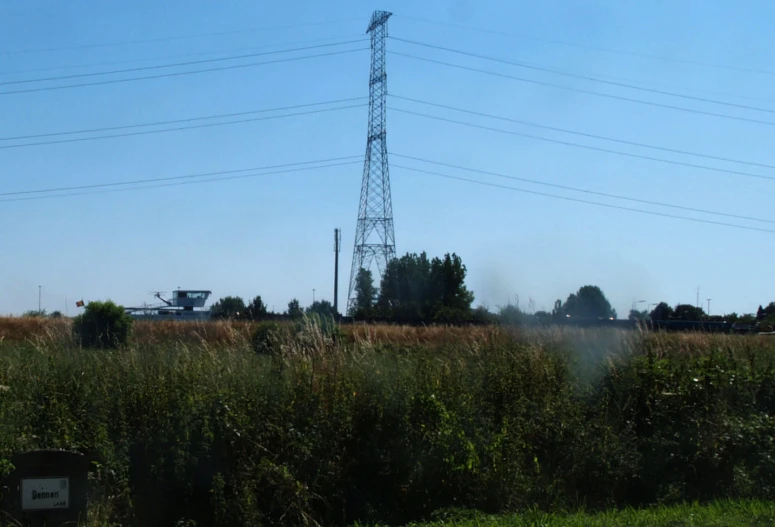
<point x="698" y="298"/>
<point x="374" y="236"/>
<point x="709" y="308"/>
<point x="38" y="300"/>
<point x="313" y="295"/>
<point x="337" y="245"/>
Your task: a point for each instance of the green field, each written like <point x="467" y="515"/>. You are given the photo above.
<point x="389" y="425"/>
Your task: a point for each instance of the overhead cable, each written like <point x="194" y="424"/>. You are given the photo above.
<point x="595" y="203"/>
<point x="584" y="134"/>
<point x="588" y="47"/>
<point x="181" y="73"/>
<point x="586" y="147"/>
<point x="37" y="193"/>
<point x="587" y="92"/>
<point x="179" y="64"/>
<point x="174" y="121"/>
<point x="168" y="39"/>
<point x="585" y="191"/>
<point x="584" y="77"/>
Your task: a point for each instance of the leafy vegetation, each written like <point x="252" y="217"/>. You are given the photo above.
<point x="588" y="302"/>
<point x="230" y="307"/>
<point x="390" y="424"/>
<point x="365" y="294"/>
<point x="102" y="325"/>
<point x="717" y="514"/>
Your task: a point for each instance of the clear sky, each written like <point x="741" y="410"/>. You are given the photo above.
<point x="273" y="235"/>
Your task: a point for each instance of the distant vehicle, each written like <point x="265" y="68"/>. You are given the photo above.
<point x="180" y="307"/>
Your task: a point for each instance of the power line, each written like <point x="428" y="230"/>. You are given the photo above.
<point x="595" y="203"/>
<point x="587" y="92"/>
<point x="592" y="48"/>
<point x="585" y="134"/>
<point x="687" y="88"/>
<point x="585" y="191"/>
<point x="176" y="121"/>
<point x="176" y="56"/>
<point x="169" y="39"/>
<point x="175" y="74"/>
<point x="182" y="183"/>
<point x="167" y="179"/>
<point x="178" y="64"/>
<point x="583" y="77"/>
<point x="205" y="125"/>
<point x="587" y="147"/>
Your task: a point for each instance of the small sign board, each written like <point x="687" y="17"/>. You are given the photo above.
<point x="46" y="488"/>
<point x="45" y="493"/>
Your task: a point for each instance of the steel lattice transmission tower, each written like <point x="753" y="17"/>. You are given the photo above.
<point x="374" y="237"/>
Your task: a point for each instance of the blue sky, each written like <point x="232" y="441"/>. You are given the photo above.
<point x="273" y="235"/>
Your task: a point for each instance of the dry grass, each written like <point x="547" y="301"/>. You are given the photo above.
<point x="217" y="333"/>
<point x="416" y="335"/>
<point x="145" y="333"/>
<point x="34" y="329"/>
<point x="212" y="333"/>
<point x="237" y="333"/>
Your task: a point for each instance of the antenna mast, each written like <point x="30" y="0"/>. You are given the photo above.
<point x="374" y="237"/>
<point x="337" y="245"/>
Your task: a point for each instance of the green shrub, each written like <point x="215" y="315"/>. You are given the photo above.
<point x="268" y="336"/>
<point x="102" y="325"/>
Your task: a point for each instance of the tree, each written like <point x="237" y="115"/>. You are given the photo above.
<point x="322" y="307"/>
<point x="403" y="291"/>
<point x="766" y="316"/>
<point x="256" y="310"/>
<point x="102" y="325"/>
<point x="482" y="315"/>
<point x="746" y="319"/>
<point x="365" y="293"/>
<point x="511" y="315"/>
<point x="688" y="312"/>
<point x="415" y="289"/>
<point x="55" y="314"/>
<point x="588" y="302"/>
<point x="228" y="307"/>
<point x="637" y="315"/>
<point x="448" y="289"/>
<point x="662" y="311"/>
<point x="294" y="309"/>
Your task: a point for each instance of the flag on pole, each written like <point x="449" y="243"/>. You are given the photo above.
<point x="79" y="303"/>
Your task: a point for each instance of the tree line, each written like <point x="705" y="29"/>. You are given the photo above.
<point x="416" y="289"/>
<point x="764" y="316"/>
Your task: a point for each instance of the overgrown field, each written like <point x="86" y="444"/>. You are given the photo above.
<point x="389" y="425"/>
<point x="718" y="514"/>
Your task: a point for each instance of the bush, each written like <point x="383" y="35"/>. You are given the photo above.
<point x="268" y="336"/>
<point x="102" y="325"/>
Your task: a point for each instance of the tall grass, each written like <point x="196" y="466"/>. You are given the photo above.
<point x="390" y="424"/>
<point x="726" y="513"/>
